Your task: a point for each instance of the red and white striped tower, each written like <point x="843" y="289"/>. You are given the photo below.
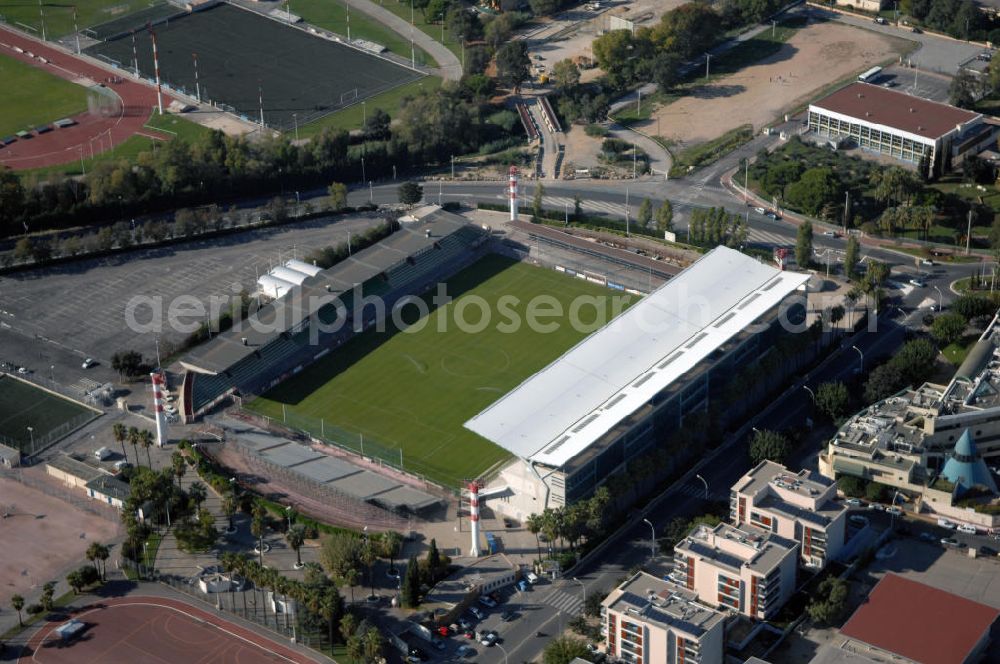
<point x="512" y="192"/>
<point x="161" y="423"/>
<point x="156" y="70"/>
<point x="473" y="487"/>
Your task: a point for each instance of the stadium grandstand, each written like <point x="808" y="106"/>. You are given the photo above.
<point x="319" y="312"/>
<point x="612" y="396"/>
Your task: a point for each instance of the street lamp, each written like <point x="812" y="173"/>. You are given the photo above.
<point x="652" y="538"/>
<point x="31" y="435"/>
<point x="862" y="356"/>
<point x="703" y="481"/>
<point x="940" y="297"/>
<point x="503" y="650"/>
<point x="811" y="393"/>
<point x="584" y="588"/>
<point x="288" y="513"/>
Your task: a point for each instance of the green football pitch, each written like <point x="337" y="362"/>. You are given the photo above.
<point x="410" y="392"/>
<point x="23" y="405"/>
<point x="34" y="97"/>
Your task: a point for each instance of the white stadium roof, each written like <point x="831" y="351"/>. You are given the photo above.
<point x="563" y="409"/>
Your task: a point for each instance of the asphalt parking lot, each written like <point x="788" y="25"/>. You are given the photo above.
<point x="912" y="81"/>
<point x="50" y="320"/>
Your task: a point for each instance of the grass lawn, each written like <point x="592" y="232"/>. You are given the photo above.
<point x="352" y="117"/>
<point x="402" y="10"/>
<point x="59" y="16"/>
<point x="178" y="126"/>
<point x="956" y="352"/>
<point x="413" y="391"/>
<point x="32" y="96"/>
<point x="332" y="15"/>
<point x="23" y="405"/>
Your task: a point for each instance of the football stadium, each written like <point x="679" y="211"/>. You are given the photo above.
<point x="540" y="416"/>
<point x="31" y="417"/>
<point x="249" y="64"/>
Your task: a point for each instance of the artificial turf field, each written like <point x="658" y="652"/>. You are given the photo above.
<point x="32" y="96"/>
<point x="413" y="390"/>
<point x="22" y="405"/>
<point x="244" y="57"/>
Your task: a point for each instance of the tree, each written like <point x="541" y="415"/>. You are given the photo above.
<point x="577" y="207"/>
<point x="337" y="193"/>
<point x="229" y="507"/>
<point x="851" y="258"/>
<point x="948" y="328"/>
<point x="411" y="584"/>
<point x="965" y="89"/>
<point x="972" y="307"/>
<point x="645" y="214"/>
<point x="769" y="445"/>
<point x="813" y="190"/>
<point x="391" y="543"/>
<point x="340" y="556"/>
<point x="461" y="23"/>
<point x="565" y="75"/>
<point x="829" y="603"/>
<point x="355" y="648"/>
<point x="146" y="439"/>
<point x="433" y="561"/>
<point x="120" y="434"/>
<point x="75" y="581"/>
<point x="883" y="382"/>
<point x="665" y="217"/>
<point x="133" y="439"/>
<point x="178" y="465"/>
<point x="16" y="601"/>
<point x="564" y="650"/>
<point x="48" y="592"/>
<point x="198" y="494"/>
<point x="373" y="644"/>
<point x="258" y="526"/>
<point x="876" y="492"/>
<point x="410" y="193"/>
<point x="369" y="556"/>
<point x="534" y="524"/>
<point x="296" y="537"/>
<point x="536" y="203"/>
<point x="833" y="399"/>
<point x="853" y="487"/>
<point x="376" y="126"/>
<point x="435" y="10"/>
<point x="804" y="245"/>
<point x="513" y="64"/>
<point x="543" y="7"/>
<point x="348" y="626"/>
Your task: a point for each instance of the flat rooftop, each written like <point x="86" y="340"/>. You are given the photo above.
<point x="769" y="474"/>
<point x="747" y="546"/>
<point x="920" y="622"/>
<point x="896" y="110"/>
<point x="566" y="407"/>
<point x="663" y="603"/>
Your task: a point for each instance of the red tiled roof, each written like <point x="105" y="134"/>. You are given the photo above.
<point x="878" y="105"/>
<point x="917" y="621"/>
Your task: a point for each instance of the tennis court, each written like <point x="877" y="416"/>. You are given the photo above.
<point x="247" y="61"/>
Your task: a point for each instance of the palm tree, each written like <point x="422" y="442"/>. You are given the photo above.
<point x="534" y="523"/>
<point x="133" y="439"/>
<point x="146" y="439"/>
<point x="258" y="527"/>
<point x="120" y="433"/>
<point x="229" y="508"/>
<point x="98" y="552"/>
<point x="369" y="555"/>
<point x="198" y="493"/>
<point x="348" y="626"/>
<point x="391" y="542"/>
<point x="355" y="648"/>
<point x="17" y="603"/>
<point x="179" y="465"/>
<point x="296" y="537"/>
<point x="351" y="579"/>
<point x="372" y="644"/>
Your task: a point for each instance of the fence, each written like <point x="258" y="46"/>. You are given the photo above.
<point x="251" y="604"/>
<point x="37" y="480"/>
<point x="37" y="443"/>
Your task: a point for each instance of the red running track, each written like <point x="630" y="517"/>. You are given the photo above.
<point x="130" y="630"/>
<point x="91" y="134"/>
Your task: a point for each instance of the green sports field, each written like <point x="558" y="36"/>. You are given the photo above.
<point x="23" y="405"/>
<point x="59" y="16"/>
<point x="413" y="390"/>
<point x="34" y="97"/>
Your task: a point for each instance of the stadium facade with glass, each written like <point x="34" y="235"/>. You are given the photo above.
<point x="613" y="396"/>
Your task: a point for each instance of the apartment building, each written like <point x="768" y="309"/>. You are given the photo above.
<point x="746" y="569"/>
<point x="797" y="506"/>
<point x="651" y="621"/>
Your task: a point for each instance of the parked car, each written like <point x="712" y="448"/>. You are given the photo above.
<point x="759" y="210"/>
<point x="531" y="577"/>
<point x="915" y="30"/>
<point x="487" y="601"/>
<point x="967" y="529"/>
<point x="477" y="612"/>
<point x="464" y="623"/>
<point x="854" y="502"/>
<point x="919" y="283"/>
<point x="952" y="542"/>
<point x="895" y="511"/>
<point x="881" y="21"/>
<point x="488" y="638"/>
<point x="465" y="651"/>
<point x="987" y="551"/>
<point x="945" y="523"/>
<point x="89" y="362"/>
<point x="508" y="615"/>
<point x="522" y="585"/>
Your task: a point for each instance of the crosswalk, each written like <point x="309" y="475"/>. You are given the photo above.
<point x="698" y="491"/>
<point x="757" y="236"/>
<point x="566" y="203"/>
<point x="564" y="601"/>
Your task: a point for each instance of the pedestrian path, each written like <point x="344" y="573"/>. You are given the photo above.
<point x="766" y="238"/>
<point x="564" y="601"/>
<point x="698" y="491"/>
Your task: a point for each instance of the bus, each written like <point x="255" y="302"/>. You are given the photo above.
<point x="870" y="75"/>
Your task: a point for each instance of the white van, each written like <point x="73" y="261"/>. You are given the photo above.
<point x="102" y="453"/>
<point x="531" y="577"/>
<point x="945" y="523"/>
<point x="967" y="529"/>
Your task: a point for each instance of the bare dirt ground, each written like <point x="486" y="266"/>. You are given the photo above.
<point x="814" y="57"/>
<point x="42" y="536"/>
